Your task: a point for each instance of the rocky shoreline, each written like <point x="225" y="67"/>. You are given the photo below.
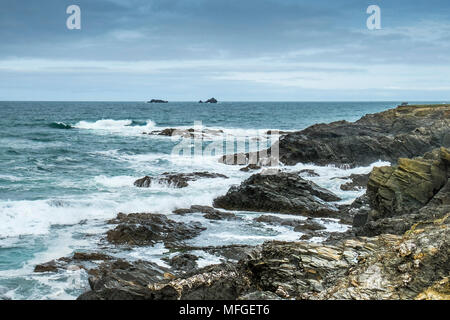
<point x="396" y="246"/>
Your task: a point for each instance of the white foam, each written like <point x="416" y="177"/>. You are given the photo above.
<point x="121" y="127"/>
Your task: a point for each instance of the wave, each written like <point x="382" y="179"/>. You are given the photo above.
<point x="121" y="127"/>
<point x="60" y="125"/>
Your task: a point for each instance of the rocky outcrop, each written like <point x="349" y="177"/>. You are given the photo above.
<point x="177" y="180"/>
<point x="142" y="229"/>
<point x="212" y="100"/>
<point x="209" y="213"/>
<point x="401" y="195"/>
<point x="157" y="101"/>
<point x="186" y="133"/>
<point x="281" y="192"/>
<point x="406" y="131"/>
<point x="412" y="266"/>
<point x="357" y="182"/>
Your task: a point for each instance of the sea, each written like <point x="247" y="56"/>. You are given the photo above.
<point x="68" y="167"/>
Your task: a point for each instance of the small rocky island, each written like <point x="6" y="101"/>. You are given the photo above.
<point x="396" y="246"/>
<point x="212" y="100"/>
<point x="157" y="101"/>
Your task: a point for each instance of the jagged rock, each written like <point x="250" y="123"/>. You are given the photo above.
<point x="51" y="266"/>
<point x="146" y="229"/>
<point x="250" y="167"/>
<point x="177" y="180"/>
<point x="91" y="256"/>
<point x="186" y="133"/>
<point x="406" y="131"/>
<point x="413" y="266"/>
<point x="183" y="262"/>
<point x="401" y="195"/>
<point x="308" y="173"/>
<point x="282" y="192"/>
<point x="210" y="213"/>
<point x="396" y="190"/>
<point x="212" y="100"/>
<point x="358" y="182"/>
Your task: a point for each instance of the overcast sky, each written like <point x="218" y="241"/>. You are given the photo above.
<point x="133" y="50"/>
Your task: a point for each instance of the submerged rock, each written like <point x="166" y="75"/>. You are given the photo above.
<point x="358" y="182"/>
<point x="186" y="133"/>
<point x="143" y="229"/>
<point x="282" y="192"/>
<point x="177" y="180"/>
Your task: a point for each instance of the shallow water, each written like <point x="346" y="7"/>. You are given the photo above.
<point x="66" y="167"/>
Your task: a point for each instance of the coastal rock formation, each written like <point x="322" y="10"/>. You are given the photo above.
<point x="157" y="101"/>
<point x="177" y="180"/>
<point x="212" y="100"/>
<point x="401" y="195"/>
<point x="187" y="133"/>
<point x="412" y="266"/>
<point x="406" y="131"/>
<point x="282" y="192"/>
<point x="358" y="182"/>
<point x="143" y="229"/>
<point x="209" y="213"/>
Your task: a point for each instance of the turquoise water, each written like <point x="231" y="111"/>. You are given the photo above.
<point x="65" y="167"/>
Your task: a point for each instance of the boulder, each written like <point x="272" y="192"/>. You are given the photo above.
<point x="282" y="192"/>
<point x="142" y="229"/>
<point x="176" y="180"/>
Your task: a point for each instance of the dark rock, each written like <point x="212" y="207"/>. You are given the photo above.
<point x="210" y="213"/>
<point x="212" y="100"/>
<point x="183" y="262"/>
<point x="406" y="131"/>
<point x="51" y="266"/>
<point x="91" y="256"/>
<point x="146" y="229"/>
<point x="250" y="167"/>
<point x="308" y="173"/>
<point x="282" y="192"/>
<point x="177" y="180"/>
<point x="309" y="225"/>
<point x="157" y="101"/>
<point x="359" y="181"/>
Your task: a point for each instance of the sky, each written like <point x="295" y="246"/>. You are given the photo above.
<point x="234" y="50"/>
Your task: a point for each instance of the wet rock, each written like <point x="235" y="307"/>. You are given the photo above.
<point x="358" y="182"/>
<point x="406" y="131"/>
<point x="210" y="213"/>
<point x="51" y="266"/>
<point x="177" y="180"/>
<point x="183" y="262"/>
<point x="308" y="173"/>
<point x="121" y="280"/>
<point x="212" y="100"/>
<point x="282" y="192"/>
<point x="91" y="256"/>
<point x="250" y="167"/>
<point x="143" y="229"/>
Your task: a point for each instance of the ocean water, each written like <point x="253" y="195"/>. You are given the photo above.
<point x="66" y="167"/>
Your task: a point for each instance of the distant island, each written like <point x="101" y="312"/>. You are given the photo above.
<point x="157" y="101"/>
<point x="212" y="100"/>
